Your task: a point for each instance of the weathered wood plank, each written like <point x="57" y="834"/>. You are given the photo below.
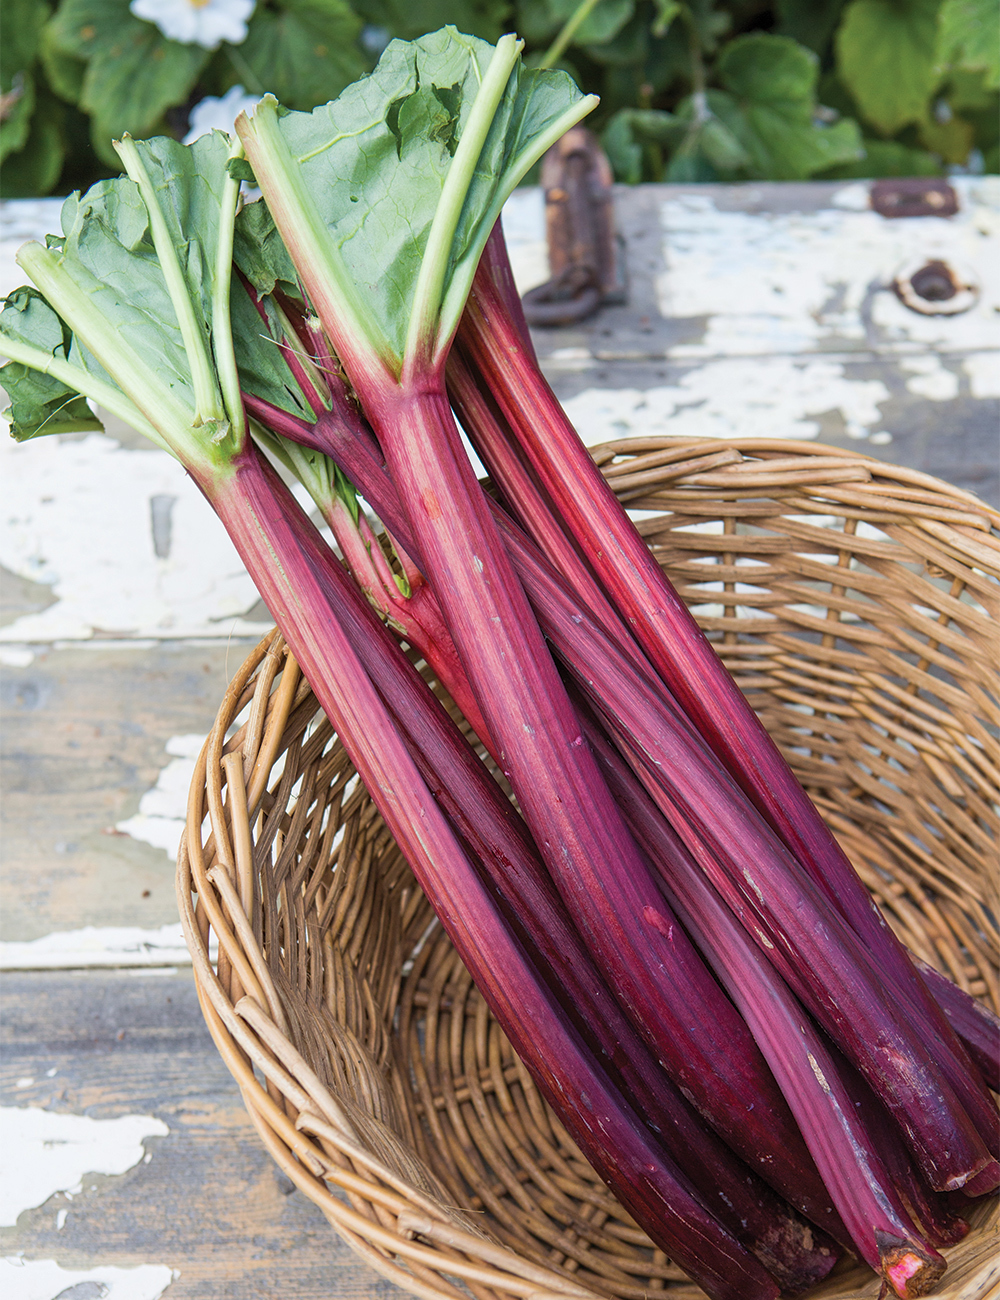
<point x="84" y="730"/>
<point x="209" y="1202"/>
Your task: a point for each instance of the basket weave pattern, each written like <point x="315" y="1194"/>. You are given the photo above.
<point x="857" y="605"/>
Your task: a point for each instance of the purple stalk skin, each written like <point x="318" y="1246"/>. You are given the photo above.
<point x="492" y="336"/>
<point x="565" y="628"/>
<point x="416" y="617"/>
<point x="977" y="1027"/>
<point x="604" y="882"/>
<point x="525" y="500"/>
<point x="290" y="564"/>
<point x="928" y="1209"/>
<point x="689" y="666"/>
<point x="733" y="844"/>
<point x="777" y="1153"/>
<point x="848" y="1160"/>
<point x="797" y="1256"/>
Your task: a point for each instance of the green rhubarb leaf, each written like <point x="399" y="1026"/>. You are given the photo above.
<point x="370" y="170"/>
<point x="103" y="274"/>
<point x="40" y="403"/>
<point x="769" y="107"/>
<point x="969" y="37"/>
<point x="260" y="252"/>
<point x="887" y="59"/>
<point x="260" y="352"/>
<point x="305" y="53"/>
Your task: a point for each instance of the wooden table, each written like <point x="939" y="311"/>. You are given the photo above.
<point x="751" y="309"/>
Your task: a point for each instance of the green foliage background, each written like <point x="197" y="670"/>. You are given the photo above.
<point x="697" y="91"/>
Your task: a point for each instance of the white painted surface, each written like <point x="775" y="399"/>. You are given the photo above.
<point x="76" y="516"/>
<point x="43" y="1152"/>
<point x="98" y="946"/>
<point x="44" y="1279"/>
<point x="524" y="235"/>
<point x="163" y="809"/>
<point x="983" y="369"/>
<point x="735" y="396"/>
<point x="792" y="282"/>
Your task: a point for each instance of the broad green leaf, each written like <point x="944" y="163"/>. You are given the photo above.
<point x="40" y="404"/>
<point x="133" y="72"/>
<point x="886" y="158"/>
<point x="260" y="253"/>
<point x="16" y="122"/>
<point x="487" y="19"/>
<point x="263" y="369"/>
<point x="769" y="107"/>
<point x="967" y="88"/>
<point x="632" y="128"/>
<point x="709" y="149"/>
<point x="810" y="22"/>
<point x="951" y="139"/>
<point x="374" y="163"/>
<point x="769" y="70"/>
<point x="36" y="168"/>
<point x="65" y="72"/>
<point x="886" y="57"/>
<point x="304" y="54"/>
<point x="23" y="21"/>
<point x="969" y="36"/>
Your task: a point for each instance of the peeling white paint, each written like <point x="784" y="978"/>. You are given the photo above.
<point x="15" y="656"/>
<point x="43" y="1152"/>
<point x="524" y="235"/>
<point x="931" y="379"/>
<point x="98" y="946"/>
<point x="163" y="809"/>
<point x="773" y="282"/>
<point x="773" y="397"/>
<point x="44" y="1279"/>
<point x="983" y="369"/>
<point x="76" y="516"/>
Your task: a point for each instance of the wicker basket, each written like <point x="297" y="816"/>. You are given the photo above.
<point x="853" y="602"/>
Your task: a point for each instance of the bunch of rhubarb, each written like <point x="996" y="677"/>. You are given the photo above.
<point x="664" y="927"/>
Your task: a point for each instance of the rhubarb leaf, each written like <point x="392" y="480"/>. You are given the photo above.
<point x="40" y="403"/>
<point x="370" y="168"/>
<point x="264" y="372"/>
<point x="105" y="278"/>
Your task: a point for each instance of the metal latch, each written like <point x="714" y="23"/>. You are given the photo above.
<point x="584" y="259"/>
<point x="913" y="196"/>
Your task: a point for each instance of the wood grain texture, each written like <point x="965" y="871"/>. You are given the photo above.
<point x="83" y="738"/>
<point x="210" y="1202"/>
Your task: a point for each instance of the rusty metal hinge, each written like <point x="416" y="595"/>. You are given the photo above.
<point x="584" y="258"/>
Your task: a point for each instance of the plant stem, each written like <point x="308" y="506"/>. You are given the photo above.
<point x="208" y="405"/>
<point x="555" y="51"/>
<point x="421" y="336"/>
